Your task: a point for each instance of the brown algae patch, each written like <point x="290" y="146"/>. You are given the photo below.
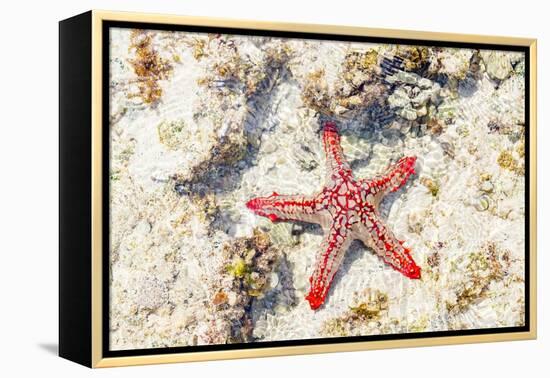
<point x="507" y="161"/>
<point x="414" y="57"/>
<point x="251" y="259"/>
<point x="432" y="185"/>
<point x="481" y="267"/>
<point x="369" y="310"/>
<point x="357" y="87"/>
<point x="149" y="68"/>
<point x="249" y="262"/>
<point x="236" y="72"/>
<point x="198" y="45"/>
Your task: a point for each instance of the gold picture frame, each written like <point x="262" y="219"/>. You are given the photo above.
<point x="82" y="269"/>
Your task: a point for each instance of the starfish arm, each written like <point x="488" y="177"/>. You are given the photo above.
<point x="333" y="249"/>
<point x="278" y="207"/>
<point x="377" y="236"/>
<point x="395" y="177"/>
<point x="337" y="164"/>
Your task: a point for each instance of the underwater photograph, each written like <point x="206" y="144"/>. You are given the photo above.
<point x="274" y="189"/>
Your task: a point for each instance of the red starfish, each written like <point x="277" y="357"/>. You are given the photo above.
<point x="346" y="209"/>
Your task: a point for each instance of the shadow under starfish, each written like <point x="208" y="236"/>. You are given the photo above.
<point x="346" y="209"/>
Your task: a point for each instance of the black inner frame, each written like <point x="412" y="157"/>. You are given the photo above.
<point x="106" y="25"/>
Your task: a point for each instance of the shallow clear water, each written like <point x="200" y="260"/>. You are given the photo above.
<point x="237" y="117"/>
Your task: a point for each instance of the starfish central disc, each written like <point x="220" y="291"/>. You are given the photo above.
<point x="347" y="209"/>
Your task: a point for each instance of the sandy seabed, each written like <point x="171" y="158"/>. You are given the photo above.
<point x="201" y="123"/>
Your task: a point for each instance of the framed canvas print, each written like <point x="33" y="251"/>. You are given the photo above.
<point x="236" y="189"/>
